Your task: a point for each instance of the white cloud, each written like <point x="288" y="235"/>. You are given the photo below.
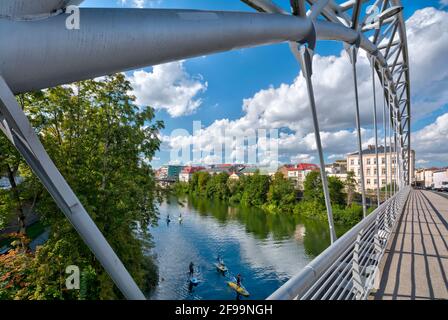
<point x="431" y="143"/>
<point x="286" y="106"/>
<point x="301" y="157"/>
<point x="427" y="33"/>
<point x="168" y="87"/>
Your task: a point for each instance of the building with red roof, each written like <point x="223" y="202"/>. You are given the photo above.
<point x="298" y="173"/>
<point x="187" y="172"/>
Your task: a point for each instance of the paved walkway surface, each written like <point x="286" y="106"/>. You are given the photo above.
<point x="415" y="265"/>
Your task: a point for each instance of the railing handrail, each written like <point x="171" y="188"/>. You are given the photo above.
<point x="303" y="281"/>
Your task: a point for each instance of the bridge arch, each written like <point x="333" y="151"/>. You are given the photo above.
<point x="32" y="60"/>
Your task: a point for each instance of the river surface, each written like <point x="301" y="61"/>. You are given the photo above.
<point x="266" y="249"/>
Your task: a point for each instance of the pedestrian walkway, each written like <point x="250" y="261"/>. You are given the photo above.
<point x="415" y="265"/>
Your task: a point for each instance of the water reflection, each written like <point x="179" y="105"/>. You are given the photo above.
<point x="267" y="249"/>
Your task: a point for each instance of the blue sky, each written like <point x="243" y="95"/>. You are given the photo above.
<point x="225" y="80"/>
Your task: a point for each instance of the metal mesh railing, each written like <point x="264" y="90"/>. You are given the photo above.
<point x="347" y="269"/>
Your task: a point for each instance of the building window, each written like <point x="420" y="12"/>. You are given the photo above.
<point x="352" y="162"/>
<point x="368" y="172"/>
<point x="368" y="161"/>
<point x="374" y="160"/>
<point x="374" y="181"/>
<point x="368" y="181"/>
<point x="383" y="160"/>
<point x="374" y="171"/>
<point x="359" y="171"/>
<point x="383" y="182"/>
<point x="383" y="171"/>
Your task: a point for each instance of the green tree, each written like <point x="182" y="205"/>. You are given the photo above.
<point x="313" y="189"/>
<point x="20" y="198"/>
<point x="217" y="186"/>
<point x="336" y="187"/>
<point x="281" y="191"/>
<point x="236" y="188"/>
<point x="255" y="189"/>
<point x="350" y="187"/>
<point x="198" y="183"/>
<point x="102" y="144"/>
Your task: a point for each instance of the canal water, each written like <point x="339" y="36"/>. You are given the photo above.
<point x="266" y="249"/>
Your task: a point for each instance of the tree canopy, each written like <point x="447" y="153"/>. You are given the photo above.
<point x="102" y="143"/>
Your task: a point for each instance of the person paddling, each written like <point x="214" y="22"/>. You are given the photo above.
<point x="238" y="280"/>
<point x="220" y="261"/>
<point x="191" y="267"/>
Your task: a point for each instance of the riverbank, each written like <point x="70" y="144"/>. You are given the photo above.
<point x="276" y="195"/>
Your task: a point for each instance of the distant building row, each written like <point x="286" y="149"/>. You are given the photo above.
<point x="297" y="172"/>
<point x="435" y="178"/>
<point x="185" y="173"/>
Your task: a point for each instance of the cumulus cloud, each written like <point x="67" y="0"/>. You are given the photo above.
<point x="427" y="33"/>
<point x="168" y="87"/>
<point x="286" y="106"/>
<point x="430" y="143"/>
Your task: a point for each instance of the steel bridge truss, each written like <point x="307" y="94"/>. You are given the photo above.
<point x="33" y="60"/>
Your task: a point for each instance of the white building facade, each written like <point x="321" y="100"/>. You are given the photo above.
<point x="387" y="166"/>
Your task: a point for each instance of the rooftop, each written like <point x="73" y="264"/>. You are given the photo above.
<point x="371" y="150"/>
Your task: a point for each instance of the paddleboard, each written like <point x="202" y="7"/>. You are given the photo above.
<point x="220" y="267"/>
<point x="241" y="290"/>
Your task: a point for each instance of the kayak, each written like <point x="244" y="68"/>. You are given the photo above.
<point x="221" y="267"/>
<point x="241" y="290"/>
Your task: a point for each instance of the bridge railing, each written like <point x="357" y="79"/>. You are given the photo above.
<point x="347" y="269"/>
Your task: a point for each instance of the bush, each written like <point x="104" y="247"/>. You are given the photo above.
<point x="310" y="209"/>
<point x="347" y="215"/>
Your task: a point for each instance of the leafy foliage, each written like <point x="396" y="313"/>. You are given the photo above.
<point x="255" y="190"/>
<point x="350" y="187"/>
<point x="313" y="190"/>
<point x="15" y="270"/>
<point x="102" y="144"/>
<point x="275" y="194"/>
<point x="217" y="186"/>
<point x="281" y="191"/>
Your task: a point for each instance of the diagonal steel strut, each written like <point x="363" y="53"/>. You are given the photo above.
<point x="19" y="131"/>
<point x="304" y="56"/>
